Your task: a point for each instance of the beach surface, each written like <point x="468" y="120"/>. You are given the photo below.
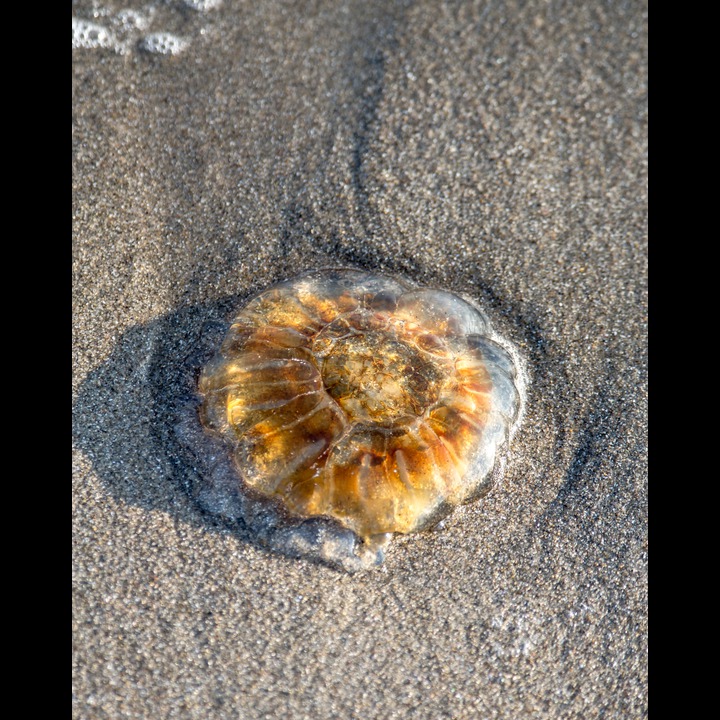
<point x="496" y="150"/>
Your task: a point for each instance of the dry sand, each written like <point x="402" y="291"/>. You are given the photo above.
<point x="493" y="149"/>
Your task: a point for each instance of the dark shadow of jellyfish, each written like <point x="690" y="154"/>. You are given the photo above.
<point x="124" y="406"/>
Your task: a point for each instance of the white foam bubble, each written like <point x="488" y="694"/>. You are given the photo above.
<point x="131" y="29"/>
<point x="86" y="34"/>
<point x="202" y="5"/>
<point x="163" y="43"/>
<point x="131" y="20"/>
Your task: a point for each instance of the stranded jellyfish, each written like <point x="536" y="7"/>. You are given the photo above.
<point x="356" y="397"/>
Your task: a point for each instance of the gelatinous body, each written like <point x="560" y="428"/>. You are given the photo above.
<point x="357" y="397"/>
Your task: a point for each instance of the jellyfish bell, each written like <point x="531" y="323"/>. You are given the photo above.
<point x="345" y="406"/>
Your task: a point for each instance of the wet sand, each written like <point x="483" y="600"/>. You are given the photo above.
<point x="495" y="150"/>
